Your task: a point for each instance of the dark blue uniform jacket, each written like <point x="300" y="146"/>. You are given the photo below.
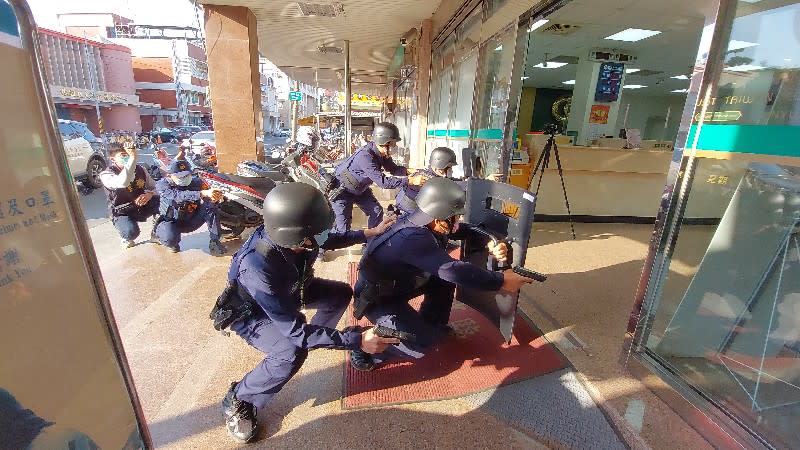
<point x="273" y="282"/>
<point x="367" y="166"/>
<point x="415" y="250"/>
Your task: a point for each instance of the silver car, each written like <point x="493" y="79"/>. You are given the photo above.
<point x="84" y="152"/>
<point x="196" y="142"/>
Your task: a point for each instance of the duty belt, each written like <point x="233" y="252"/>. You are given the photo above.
<point x="350" y="182"/>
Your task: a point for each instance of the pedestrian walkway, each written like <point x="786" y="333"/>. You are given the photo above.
<point x="182" y="367"/>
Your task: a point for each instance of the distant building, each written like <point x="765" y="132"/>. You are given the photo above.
<point x="80" y="70"/>
<point x="169" y="66"/>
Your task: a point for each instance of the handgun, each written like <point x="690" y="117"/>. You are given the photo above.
<point x="391" y="332"/>
<point x="532" y="274"/>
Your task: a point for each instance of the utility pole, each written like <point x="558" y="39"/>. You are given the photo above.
<point x="296" y="87"/>
<point x="93" y="76"/>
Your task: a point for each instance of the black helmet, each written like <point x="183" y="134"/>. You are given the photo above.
<point x="295" y="211"/>
<point x="443" y="158"/>
<point x="441" y="198"/>
<point x="385" y="132"/>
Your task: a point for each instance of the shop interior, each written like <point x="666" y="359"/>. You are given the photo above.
<point x="596" y="74"/>
<point x="616" y="85"/>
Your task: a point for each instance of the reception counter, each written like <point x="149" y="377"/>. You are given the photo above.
<point x="626" y="185"/>
<point x="605" y="184"/>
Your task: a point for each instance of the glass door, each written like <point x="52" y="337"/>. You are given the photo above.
<point x="722" y="310"/>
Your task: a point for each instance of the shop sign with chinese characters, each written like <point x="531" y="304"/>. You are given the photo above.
<point x="64" y="93"/>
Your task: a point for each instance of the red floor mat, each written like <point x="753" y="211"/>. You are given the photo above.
<point x="474" y="360"/>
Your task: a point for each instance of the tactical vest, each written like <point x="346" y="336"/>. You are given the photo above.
<point x="120" y="197"/>
<point x="351" y="182"/>
<point x="178" y="211"/>
<point x="379" y="278"/>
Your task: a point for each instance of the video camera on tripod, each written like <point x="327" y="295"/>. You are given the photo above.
<point x="551" y="129"/>
<point x="543" y="162"/>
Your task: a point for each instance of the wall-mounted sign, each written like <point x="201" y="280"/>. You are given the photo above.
<point x="362" y="101"/>
<point x="62" y="93"/>
<point x="295" y="96"/>
<point x="599" y="113"/>
<point x="609" y="82"/>
<point x="561" y="107"/>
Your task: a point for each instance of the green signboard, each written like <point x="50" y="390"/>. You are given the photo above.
<point x="295" y="96"/>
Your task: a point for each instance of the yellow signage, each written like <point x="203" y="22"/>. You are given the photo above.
<point x="362" y="101"/>
<point x="85" y="94"/>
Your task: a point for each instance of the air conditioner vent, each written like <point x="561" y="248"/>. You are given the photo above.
<point x="560" y="29"/>
<point x="332" y="9"/>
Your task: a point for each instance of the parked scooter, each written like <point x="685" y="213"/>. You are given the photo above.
<point x="244" y="199"/>
<point x="244" y="196"/>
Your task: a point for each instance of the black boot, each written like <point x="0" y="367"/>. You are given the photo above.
<point x="240" y="417"/>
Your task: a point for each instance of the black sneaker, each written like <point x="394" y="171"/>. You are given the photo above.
<point x="361" y="361"/>
<point x="216" y="248"/>
<point x="240" y="417"/>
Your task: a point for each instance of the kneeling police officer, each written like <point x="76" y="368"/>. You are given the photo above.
<point x="272" y="276"/>
<point x="410" y="259"/>
<point x="186" y="204"/>
<point x="130" y="191"/>
<point x="440" y="165"/>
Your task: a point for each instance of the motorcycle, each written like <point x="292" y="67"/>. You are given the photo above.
<point x="244" y="199"/>
<point x="244" y="196"/>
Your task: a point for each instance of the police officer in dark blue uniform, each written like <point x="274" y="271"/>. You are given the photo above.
<point x="441" y="163"/>
<point x="186" y="204"/>
<point x="130" y="192"/>
<point x="273" y="269"/>
<point x="363" y="168"/>
<point x="409" y="260"/>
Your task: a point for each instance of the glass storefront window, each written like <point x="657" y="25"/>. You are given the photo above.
<point x="497" y="55"/>
<point x="723" y="313"/>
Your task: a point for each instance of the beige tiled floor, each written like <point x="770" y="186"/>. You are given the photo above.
<point x="182" y="367"/>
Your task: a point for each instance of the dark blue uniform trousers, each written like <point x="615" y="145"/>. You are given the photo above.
<point x="169" y="233"/>
<point x="426" y="323"/>
<point x="343" y="210"/>
<point x="283" y="357"/>
<point x="128" y="226"/>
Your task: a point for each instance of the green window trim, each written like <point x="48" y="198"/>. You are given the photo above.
<point x="775" y="140"/>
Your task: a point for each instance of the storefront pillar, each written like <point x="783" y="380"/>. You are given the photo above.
<point x="417" y="155"/>
<point x="232" y="47"/>
<point x="583" y="98"/>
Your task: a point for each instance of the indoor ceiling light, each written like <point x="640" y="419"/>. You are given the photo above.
<point x="550" y="65"/>
<point x="632" y="70"/>
<point x="739" y="45"/>
<point x="633" y="35"/>
<point x="743" y="68"/>
<point x="568" y="82"/>
<point x="633" y="86"/>
<point x="680" y="91"/>
<point x="680" y="77"/>
<point x="537" y="24"/>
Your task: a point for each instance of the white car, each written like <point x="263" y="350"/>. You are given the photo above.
<point x="84" y="152"/>
<point x="196" y="142"/>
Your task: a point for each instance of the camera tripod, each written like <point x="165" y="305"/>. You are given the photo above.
<point x="543" y="162"/>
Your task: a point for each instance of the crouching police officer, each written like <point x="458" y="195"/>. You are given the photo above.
<point x="409" y="260"/>
<point x="272" y="273"/>
<point x="365" y="167"/>
<point x="130" y="192"/>
<point x="186" y="204"/>
<point x="440" y="165"/>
